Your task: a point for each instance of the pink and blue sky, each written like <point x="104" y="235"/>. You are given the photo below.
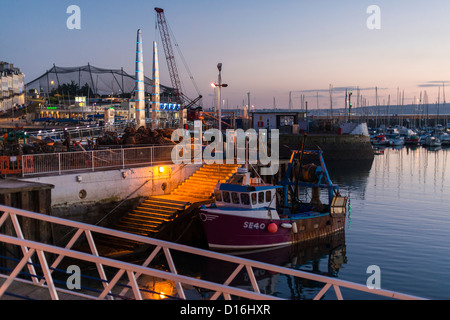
<point x="267" y="48"/>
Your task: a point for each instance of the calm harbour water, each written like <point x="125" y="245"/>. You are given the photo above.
<point x="399" y="221"/>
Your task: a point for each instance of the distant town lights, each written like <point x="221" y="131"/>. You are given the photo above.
<point x="170" y="106"/>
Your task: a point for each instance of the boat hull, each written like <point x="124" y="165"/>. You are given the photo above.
<point x="235" y="232"/>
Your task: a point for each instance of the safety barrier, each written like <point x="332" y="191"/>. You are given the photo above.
<point x="110" y="285"/>
<point x="12" y="165"/>
<point x="58" y="163"/>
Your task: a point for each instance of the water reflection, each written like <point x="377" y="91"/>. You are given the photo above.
<point x="325" y="256"/>
<point x="402" y="224"/>
<point x="351" y="176"/>
<point x="399" y="221"/>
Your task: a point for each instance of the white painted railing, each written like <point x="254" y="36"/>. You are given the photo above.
<point x="31" y="248"/>
<point x="62" y="162"/>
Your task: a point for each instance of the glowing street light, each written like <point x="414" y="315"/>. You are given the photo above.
<point x="219" y="85"/>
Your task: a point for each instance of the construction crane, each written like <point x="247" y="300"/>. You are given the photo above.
<point x="183" y="100"/>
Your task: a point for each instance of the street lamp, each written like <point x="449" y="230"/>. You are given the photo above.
<point x="219" y="85"/>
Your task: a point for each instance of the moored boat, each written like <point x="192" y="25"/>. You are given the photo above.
<point x="445" y="139"/>
<point x="380" y="140"/>
<point x="396" y="140"/>
<point x="250" y="214"/>
<point x="412" y="139"/>
<point x="432" y="141"/>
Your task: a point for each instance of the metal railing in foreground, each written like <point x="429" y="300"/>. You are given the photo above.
<point x="111" y="288"/>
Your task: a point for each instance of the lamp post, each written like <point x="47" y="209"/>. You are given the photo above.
<point x="219" y="85"/>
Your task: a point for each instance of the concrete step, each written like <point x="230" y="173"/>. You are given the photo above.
<point x="147" y="217"/>
<point x="143" y="224"/>
<point x="208" y="183"/>
<point x="136" y="229"/>
<point x="192" y="193"/>
<point x="192" y="188"/>
<point x="114" y="242"/>
<point x="198" y="185"/>
<point x="211" y="174"/>
<point x="216" y="170"/>
<point x="161" y="200"/>
<point x="155" y="209"/>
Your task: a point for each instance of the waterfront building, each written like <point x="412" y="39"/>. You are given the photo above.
<point x="12" y="91"/>
<point x="287" y="121"/>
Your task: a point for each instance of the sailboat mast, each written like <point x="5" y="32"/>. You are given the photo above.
<point x="437" y="112"/>
<point x="331" y="101"/>
<point x="443" y="104"/>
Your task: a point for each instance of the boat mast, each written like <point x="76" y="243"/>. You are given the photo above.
<point x="443" y="103"/>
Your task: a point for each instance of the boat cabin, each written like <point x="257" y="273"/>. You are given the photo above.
<point x="246" y="196"/>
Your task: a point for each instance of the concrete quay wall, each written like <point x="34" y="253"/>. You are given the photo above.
<point x="345" y="147"/>
<point x="90" y="196"/>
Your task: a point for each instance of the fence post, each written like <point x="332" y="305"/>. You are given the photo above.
<point x="59" y="162"/>
<point x="92" y="159"/>
<point x="152" y="153"/>
<point x="123" y="158"/>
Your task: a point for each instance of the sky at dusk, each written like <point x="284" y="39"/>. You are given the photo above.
<point x="267" y="48"/>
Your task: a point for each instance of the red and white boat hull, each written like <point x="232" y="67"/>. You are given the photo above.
<point x="233" y="230"/>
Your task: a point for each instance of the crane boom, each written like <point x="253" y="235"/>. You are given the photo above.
<point x="180" y="97"/>
<point x="170" y="57"/>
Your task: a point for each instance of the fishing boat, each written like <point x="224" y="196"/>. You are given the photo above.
<point x="412" y="139"/>
<point x="251" y="214"/>
<point x="380" y="140"/>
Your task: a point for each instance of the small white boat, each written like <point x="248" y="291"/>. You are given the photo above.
<point x="432" y="141"/>
<point x="445" y="139"/>
<point x="396" y="140"/>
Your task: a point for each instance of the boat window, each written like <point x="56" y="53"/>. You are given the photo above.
<point x="261" y="197"/>
<point x="218" y="195"/>
<point x="235" y="197"/>
<point x="245" y="199"/>
<point x="254" y="198"/>
<point x="226" y="197"/>
<point x="268" y="196"/>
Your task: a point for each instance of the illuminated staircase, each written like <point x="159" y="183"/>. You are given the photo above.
<point x="156" y="212"/>
<point x="201" y="184"/>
